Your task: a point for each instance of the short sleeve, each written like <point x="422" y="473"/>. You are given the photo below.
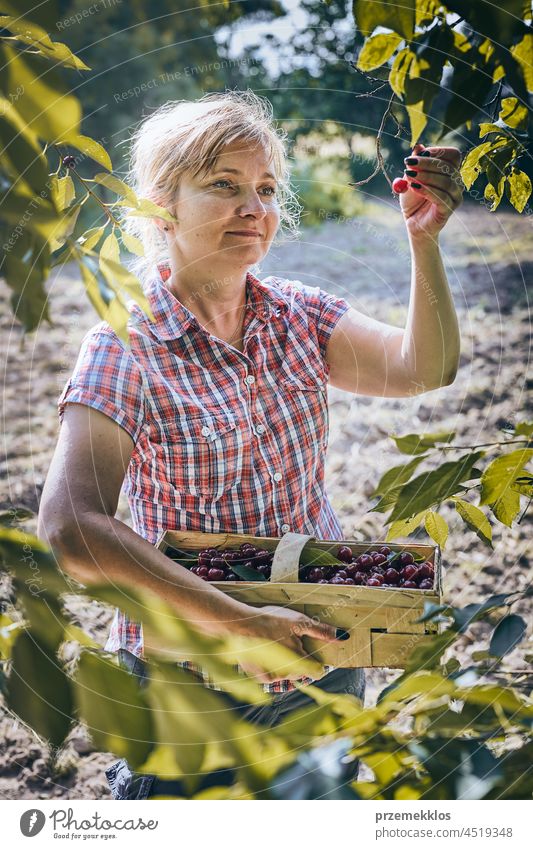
<point x="107" y="378"/>
<point x="324" y="311"/>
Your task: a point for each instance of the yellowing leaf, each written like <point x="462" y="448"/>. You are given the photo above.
<point x="514" y="113"/>
<point x="91" y="238"/>
<point x="417" y="120"/>
<point x="399" y="70"/>
<point x="497" y="481"/>
<point x="31" y="33"/>
<point x="470" y="169"/>
<point x="148" y="209"/>
<point x="436" y="527"/>
<point x="523" y="53"/>
<point x="377" y="49"/>
<point x="475" y="519"/>
<point x="518" y="189"/>
<point x="404" y="527"/>
<point x="494" y="193"/>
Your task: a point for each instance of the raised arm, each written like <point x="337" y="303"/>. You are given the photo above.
<point x="76" y="518"/>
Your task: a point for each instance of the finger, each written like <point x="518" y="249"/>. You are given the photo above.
<point x="433" y="179"/>
<point x="319" y="630"/>
<point x="441" y="199"/>
<point x="448" y="154"/>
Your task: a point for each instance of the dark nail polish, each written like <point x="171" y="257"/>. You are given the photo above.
<point x="425" y="153"/>
<point x="416" y="185"/>
<point x="410" y="173"/>
<point x="411" y="160"/>
<point x="341" y="634"/>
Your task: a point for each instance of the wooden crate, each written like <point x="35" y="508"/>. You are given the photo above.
<point x="380" y="620"/>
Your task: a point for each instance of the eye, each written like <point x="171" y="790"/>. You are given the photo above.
<point x="227" y="182"/>
<point x="272" y="190"/>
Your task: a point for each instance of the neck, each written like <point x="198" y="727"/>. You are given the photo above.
<point x="218" y="303"/>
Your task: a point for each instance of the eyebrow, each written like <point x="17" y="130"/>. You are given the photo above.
<point x="236" y="171"/>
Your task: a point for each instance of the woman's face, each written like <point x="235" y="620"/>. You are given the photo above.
<point x="238" y="194"/>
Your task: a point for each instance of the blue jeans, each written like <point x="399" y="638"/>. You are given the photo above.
<point x="126" y="784"/>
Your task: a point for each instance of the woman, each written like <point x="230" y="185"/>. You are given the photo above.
<point x="216" y="415"/>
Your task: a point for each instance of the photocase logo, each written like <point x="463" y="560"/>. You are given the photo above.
<point x="32" y="822"/>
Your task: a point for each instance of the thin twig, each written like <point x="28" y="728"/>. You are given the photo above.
<point x="482" y="445"/>
<point x="380" y="161"/>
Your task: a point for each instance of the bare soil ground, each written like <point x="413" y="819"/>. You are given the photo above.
<point x="489" y="259"/>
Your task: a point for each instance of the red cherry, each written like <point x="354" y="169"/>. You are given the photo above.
<point x="314" y="575"/>
<point x="410" y="585"/>
<point x="215" y="575"/>
<point x="359" y="578"/>
<point x="336" y="580"/>
<point x="373" y="582"/>
<point x="378" y="558"/>
<point x="399" y="185"/>
<point x="425" y="570"/>
<point x="392" y="576"/>
<point x="406" y="558"/>
<point x="69" y="161"/>
<point x="351" y="569"/>
<point x="202" y="571"/>
<point x="345" y="554"/>
<point x="264" y="569"/>
<point x="342" y="574"/>
<point x="349" y="581"/>
<point x="426" y="584"/>
<point x="323" y="581"/>
<point x="365" y="562"/>
<point x="385" y="550"/>
<point x="408" y="571"/>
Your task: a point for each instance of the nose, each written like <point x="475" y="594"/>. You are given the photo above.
<point x="252" y="205"/>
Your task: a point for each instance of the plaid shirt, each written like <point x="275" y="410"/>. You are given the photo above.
<point x="223" y="440"/>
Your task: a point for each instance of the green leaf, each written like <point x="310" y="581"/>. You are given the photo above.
<point x="397" y="476"/>
<point x="370" y="14"/>
<point x="485" y="128"/>
<point x="497" y="480"/>
<point x="38" y="690"/>
<point x="469" y="86"/>
<point x="514" y="114"/>
<point x="247" y="573"/>
<point x="313" y="556"/>
<point x="414" y="443"/>
<point x="399" y="70"/>
<point x="475" y="519"/>
<point x="464" y="616"/>
<point x="88" y="240"/>
<point x="45" y="103"/>
<point x="417" y="120"/>
<point x="524" y="429"/>
<point x="377" y="49"/>
<point x="132" y="244"/>
<point x="428" y="654"/>
<point x="436" y="527"/>
<point x="434" y="487"/>
<point x="20" y="148"/>
<point x="494" y="193"/>
<point x="111" y="703"/>
<point x="405" y="527"/>
<point x="118" y="186"/>
<point x="9" y="631"/>
<point x="507" y="634"/>
<point x="147" y="209"/>
<point x="65" y="227"/>
<point x="90" y="148"/>
<point x="63" y="191"/>
<point x="518" y="189"/>
<point x="31" y="33"/>
<point x="430" y="683"/>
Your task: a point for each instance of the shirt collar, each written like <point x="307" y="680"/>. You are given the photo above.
<point x="172" y="318"/>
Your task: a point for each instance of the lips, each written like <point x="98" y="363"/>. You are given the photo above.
<point x="244" y="233"/>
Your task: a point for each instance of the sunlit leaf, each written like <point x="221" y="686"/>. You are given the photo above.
<point x="405" y="526"/>
<point x="514" y="113"/>
<point x="475" y="519"/>
<point x="518" y="188"/>
<point x="377" y="49"/>
<point x="436" y="527"/>
<point x="32" y="34"/>
<point x="370" y="14"/>
<point x="497" y="480"/>
<point x="399" y="70"/>
<point x="414" y="443"/>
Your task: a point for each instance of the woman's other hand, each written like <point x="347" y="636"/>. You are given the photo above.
<point x="435" y="189"/>
<point x="285" y="627"/>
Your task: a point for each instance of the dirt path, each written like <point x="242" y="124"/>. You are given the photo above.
<point x="366" y="260"/>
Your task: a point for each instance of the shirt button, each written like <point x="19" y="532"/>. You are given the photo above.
<point x="206" y="431"/>
<point x="260" y="428"/>
<point x="278" y="476"/>
<point x="285" y="528"/>
<point x="249" y="379"/>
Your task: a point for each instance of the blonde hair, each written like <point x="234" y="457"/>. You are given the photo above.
<point x="185" y="137"/>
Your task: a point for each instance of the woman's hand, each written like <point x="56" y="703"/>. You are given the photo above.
<point x="435" y="189"/>
<point x="286" y="627"/>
